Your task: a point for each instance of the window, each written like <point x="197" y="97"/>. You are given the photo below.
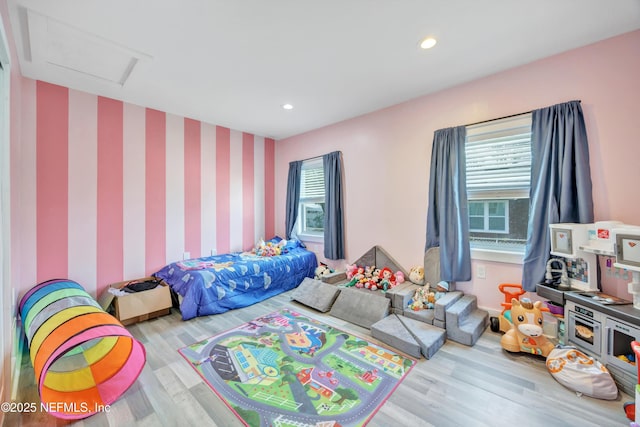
<point x="498" y="167"/>
<point x="311" y="208"/>
<point x="489" y="216"/>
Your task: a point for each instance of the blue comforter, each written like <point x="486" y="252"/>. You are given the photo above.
<point x="219" y="283"/>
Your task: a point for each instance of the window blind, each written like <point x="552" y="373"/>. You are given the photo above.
<point x="312" y="185"/>
<point x="498" y="155"/>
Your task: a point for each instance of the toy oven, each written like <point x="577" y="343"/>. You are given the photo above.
<point x="618" y="347"/>
<point x="584" y="328"/>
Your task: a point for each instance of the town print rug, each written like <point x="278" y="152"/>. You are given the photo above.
<point x="287" y="369"/>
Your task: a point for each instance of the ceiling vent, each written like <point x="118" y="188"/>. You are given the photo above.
<point x="55" y="43"/>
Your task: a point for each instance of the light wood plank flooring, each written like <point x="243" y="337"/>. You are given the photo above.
<point x="460" y="386"/>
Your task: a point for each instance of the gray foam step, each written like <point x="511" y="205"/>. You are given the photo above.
<point x="444" y="303"/>
<point x="392" y="332"/>
<point x="429" y="337"/>
<point x="465" y="322"/>
<point x="363" y="308"/>
<point x="470" y="329"/>
<point x="401" y="294"/>
<point x="316" y="294"/>
<point x="425" y="316"/>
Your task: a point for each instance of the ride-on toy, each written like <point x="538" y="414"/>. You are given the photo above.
<point x="510" y="291"/>
<point x="521" y="321"/>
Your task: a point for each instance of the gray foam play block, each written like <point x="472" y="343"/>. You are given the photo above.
<point x="432" y="267"/>
<point x="401" y="294"/>
<point x="444" y="302"/>
<point x="335" y="277"/>
<point x="363" y="308"/>
<point x="380" y="258"/>
<point x="430" y="338"/>
<point x="316" y="294"/>
<point x="392" y="332"/>
<point x="425" y="316"/>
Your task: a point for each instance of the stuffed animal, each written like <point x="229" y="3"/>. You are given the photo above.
<point x="399" y="277"/>
<point x="525" y="334"/>
<point x="321" y="271"/>
<point x="420" y="299"/>
<point x="416" y="275"/>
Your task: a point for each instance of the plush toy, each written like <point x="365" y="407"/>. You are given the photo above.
<point x="441" y="288"/>
<point x="420" y="299"/>
<point x="416" y="275"/>
<point x="387" y="279"/>
<point x="321" y="271"/>
<point x="268" y="249"/>
<point x="351" y="270"/>
<point x="399" y="277"/>
<point x="525" y="334"/>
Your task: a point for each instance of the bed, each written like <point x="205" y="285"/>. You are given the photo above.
<point x="215" y="284"/>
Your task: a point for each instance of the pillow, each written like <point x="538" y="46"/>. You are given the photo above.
<point x="581" y="373"/>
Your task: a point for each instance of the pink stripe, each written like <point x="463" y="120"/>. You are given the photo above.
<point x="52" y="195"/>
<point x="269" y="188"/>
<point x="192" y="197"/>
<point x="155" y="194"/>
<point x="110" y="265"/>
<point x="248" y="225"/>
<point x="223" y="156"/>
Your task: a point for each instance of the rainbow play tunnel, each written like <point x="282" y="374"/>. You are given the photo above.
<point x="83" y="358"/>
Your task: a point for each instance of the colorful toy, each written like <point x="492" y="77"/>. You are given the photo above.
<point x="525" y="334"/>
<point x="83" y="358"/>
<point x="269" y="249"/>
<point x="510" y="291"/>
<point x="630" y="407"/>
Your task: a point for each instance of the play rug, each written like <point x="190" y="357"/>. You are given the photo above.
<point x="286" y="369"/>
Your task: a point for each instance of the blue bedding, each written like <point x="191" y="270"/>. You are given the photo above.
<point x="219" y="283"/>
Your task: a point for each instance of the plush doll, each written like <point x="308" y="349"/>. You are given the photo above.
<point x="416" y="275"/>
<point x="387" y="279"/>
<point x="399" y="277"/>
<point x="441" y="288"/>
<point x="351" y="270"/>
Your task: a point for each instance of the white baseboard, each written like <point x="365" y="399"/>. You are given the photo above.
<point x="16" y="357"/>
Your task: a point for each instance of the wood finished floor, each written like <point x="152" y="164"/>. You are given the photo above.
<point x="460" y="386"/>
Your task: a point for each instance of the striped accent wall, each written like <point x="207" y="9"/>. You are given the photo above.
<point x="111" y="191"/>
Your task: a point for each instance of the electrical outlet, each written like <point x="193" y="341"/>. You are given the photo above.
<point x="214" y="252"/>
<point x="186" y="255"/>
<point x="481" y="272"/>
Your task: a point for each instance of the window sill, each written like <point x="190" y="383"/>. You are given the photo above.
<point x="497" y="256"/>
<point x="311" y="238"/>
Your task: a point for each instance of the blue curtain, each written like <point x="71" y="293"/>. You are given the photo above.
<point x="333" y="212"/>
<point x="560" y="182"/>
<point x="293" y="197"/>
<point x="447" y="215"/>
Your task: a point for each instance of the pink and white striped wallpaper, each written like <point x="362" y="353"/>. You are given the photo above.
<point x="111" y="191"/>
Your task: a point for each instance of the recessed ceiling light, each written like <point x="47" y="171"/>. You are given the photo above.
<point x="287" y="106"/>
<point x="428" y="43"/>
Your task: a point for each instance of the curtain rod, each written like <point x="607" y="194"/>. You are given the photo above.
<point x="317" y="157"/>
<point x="505" y="117"/>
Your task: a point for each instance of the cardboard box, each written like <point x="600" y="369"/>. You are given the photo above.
<point x="139" y="306"/>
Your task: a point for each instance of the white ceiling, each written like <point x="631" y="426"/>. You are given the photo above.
<point x="235" y="62"/>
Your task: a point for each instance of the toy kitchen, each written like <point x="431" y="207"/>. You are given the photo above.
<point x="601" y="325"/>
